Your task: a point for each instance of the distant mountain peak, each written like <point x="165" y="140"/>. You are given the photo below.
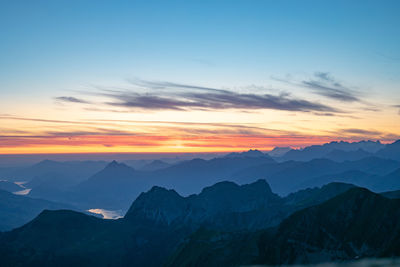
<point x="117" y="165"/>
<point x="319" y="151"/>
<point x="251" y="153"/>
<point x="278" y="151"/>
<point x="114" y="163"/>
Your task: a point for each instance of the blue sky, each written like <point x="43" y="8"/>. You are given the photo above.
<point x="55" y="48"/>
<point x="217" y="42"/>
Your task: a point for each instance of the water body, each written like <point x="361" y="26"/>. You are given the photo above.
<point x="23" y="192"/>
<point x="108" y="214"/>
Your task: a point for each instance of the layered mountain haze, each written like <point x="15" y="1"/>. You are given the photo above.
<point x="332" y="149"/>
<point x="113" y="186"/>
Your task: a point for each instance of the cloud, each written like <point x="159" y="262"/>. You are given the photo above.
<point x="175" y="96"/>
<point x="71" y="99"/>
<point x="170" y="85"/>
<point x="361" y="132"/>
<point x="11" y="117"/>
<point x="325" y="85"/>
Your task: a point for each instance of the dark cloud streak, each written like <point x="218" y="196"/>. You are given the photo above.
<point x="188" y="97"/>
<point x="71" y="99"/>
<point x="361" y="132"/>
<point x="326" y="85"/>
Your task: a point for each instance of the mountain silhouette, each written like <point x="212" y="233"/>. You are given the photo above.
<point x="156" y="225"/>
<point x="252" y="153"/>
<point x="355" y="224"/>
<point x="17" y="210"/>
<point x="351" y="225"/>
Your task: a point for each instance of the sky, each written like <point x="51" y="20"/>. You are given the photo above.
<point x="196" y="76"/>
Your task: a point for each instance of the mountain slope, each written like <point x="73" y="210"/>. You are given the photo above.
<point x="17" y="210"/>
<point x="114" y="187"/>
<point x="10" y="186"/>
<point x="357" y="223"/>
<point x="223" y="205"/>
<point x="390" y="151"/>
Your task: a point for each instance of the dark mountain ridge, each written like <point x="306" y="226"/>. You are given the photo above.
<point x="353" y="225"/>
<point x="157" y="222"/>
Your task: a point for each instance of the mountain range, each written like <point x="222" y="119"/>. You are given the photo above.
<point x="226" y="224"/>
<point x="113" y="186"/>
<point x="353" y="225"/>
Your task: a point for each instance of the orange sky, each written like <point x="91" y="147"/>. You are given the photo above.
<point x="70" y="129"/>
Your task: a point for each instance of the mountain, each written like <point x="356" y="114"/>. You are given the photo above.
<point x="68" y="238"/>
<point x="215" y="248"/>
<point x="155" y="165"/>
<point x="355" y="177"/>
<point x="154" y="227"/>
<point x="373" y="182"/>
<point x="391" y="194"/>
<point x="320" y="151"/>
<point x="191" y="176"/>
<point x="223" y="205"/>
<point x="17" y="210"/>
<point x="50" y="179"/>
<point x="372" y="165"/>
<point x="76" y="171"/>
<point x="10" y="186"/>
<point x="390" y="151"/>
<point x="115" y="190"/>
<point x="355" y="224"/>
<point x="117" y="185"/>
<point x="290" y="176"/>
<point x="312" y="196"/>
<point x="114" y="187"/>
<point x="252" y="153"/>
<point x="390" y="181"/>
<point x="278" y="151"/>
<point x="341" y="155"/>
